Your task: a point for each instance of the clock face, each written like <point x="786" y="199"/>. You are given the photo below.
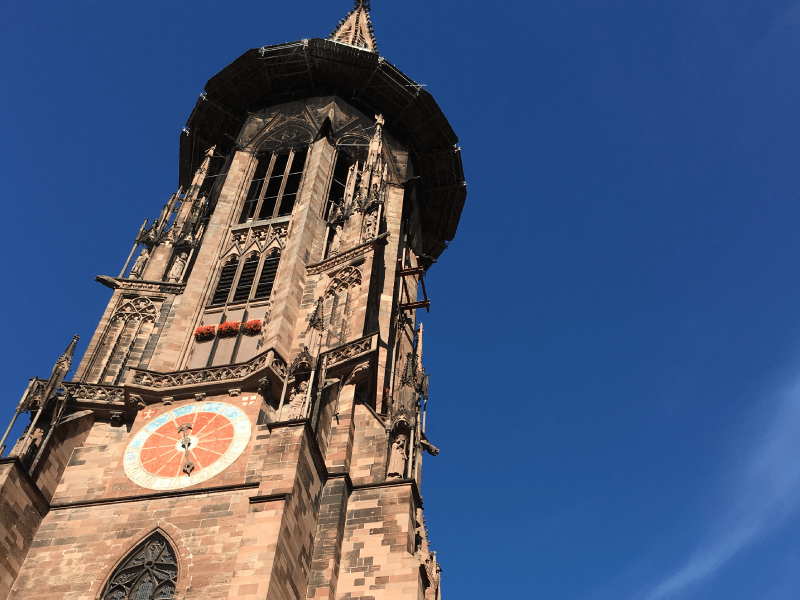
<point x="187" y="445"/>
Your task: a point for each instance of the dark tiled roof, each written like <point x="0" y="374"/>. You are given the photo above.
<point x="312" y="68"/>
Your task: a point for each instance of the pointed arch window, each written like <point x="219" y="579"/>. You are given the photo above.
<point x="246" y="278"/>
<point x="243" y="281"/>
<point x="150" y="572"/>
<point x="273" y="189"/>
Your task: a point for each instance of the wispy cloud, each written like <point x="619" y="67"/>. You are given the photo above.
<point x="765" y="494"/>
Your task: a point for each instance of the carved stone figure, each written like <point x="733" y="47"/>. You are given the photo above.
<point x="398" y="457"/>
<point x="139" y="265"/>
<point x="297" y="400"/>
<point x="374" y="193"/>
<point x="336" y="242"/>
<point x="370" y="226"/>
<point x="178" y="266"/>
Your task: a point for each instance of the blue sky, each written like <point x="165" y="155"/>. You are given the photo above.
<point x="614" y="342"/>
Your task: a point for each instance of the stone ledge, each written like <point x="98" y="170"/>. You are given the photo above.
<point x="394" y="483"/>
<point x="163" y="287"/>
<point x="155" y="496"/>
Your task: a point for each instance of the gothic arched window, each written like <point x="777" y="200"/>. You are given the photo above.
<point x="273" y="189"/>
<point x="246" y="278"/>
<point x="150" y="572"/>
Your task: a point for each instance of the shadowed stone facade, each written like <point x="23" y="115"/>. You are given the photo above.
<point x="248" y="418"/>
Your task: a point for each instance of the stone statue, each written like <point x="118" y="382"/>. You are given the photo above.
<point x="177" y="268"/>
<point x="336" y="242"/>
<point x="138" y="267"/>
<point x="370" y="226"/>
<point x="398" y="457"/>
<point x="297" y="400"/>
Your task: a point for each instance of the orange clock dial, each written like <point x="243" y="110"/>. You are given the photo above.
<point x="204" y="442"/>
<point x="187" y="445"/>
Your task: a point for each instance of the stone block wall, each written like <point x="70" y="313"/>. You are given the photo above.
<point x="67" y="436"/>
<point x="305" y="511"/>
<point x="377" y="552"/>
<point x="22" y="508"/>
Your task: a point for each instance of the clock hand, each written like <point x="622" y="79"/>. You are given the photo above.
<point x="188" y="465"/>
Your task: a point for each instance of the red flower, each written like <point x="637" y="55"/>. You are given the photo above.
<point x="229" y="329"/>
<point x="205" y="333"/>
<point x="252" y="327"/>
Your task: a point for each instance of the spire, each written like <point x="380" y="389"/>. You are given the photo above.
<point x="200" y="174"/>
<point x="356" y="28"/>
<point x="64" y="362"/>
<point x="60" y="370"/>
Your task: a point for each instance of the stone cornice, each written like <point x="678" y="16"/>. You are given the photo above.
<point x="162" y="287"/>
<point x="346" y="256"/>
<point x="157" y="495"/>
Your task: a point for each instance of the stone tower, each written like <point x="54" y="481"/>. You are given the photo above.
<point x="248" y="420"/>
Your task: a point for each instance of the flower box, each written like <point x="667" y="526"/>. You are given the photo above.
<point x="229" y="329"/>
<point x="252" y="327"/>
<point x="205" y="333"/>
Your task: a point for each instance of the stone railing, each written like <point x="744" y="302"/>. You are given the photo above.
<point x="352" y="349"/>
<point x="156" y="380"/>
<point x="90" y="391"/>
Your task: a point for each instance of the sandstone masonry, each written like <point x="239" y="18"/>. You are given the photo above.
<point x="248" y="420"/>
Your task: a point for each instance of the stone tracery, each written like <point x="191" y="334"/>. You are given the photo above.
<point x="150" y="572"/>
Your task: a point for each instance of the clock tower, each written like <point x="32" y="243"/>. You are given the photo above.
<point x="248" y="418"/>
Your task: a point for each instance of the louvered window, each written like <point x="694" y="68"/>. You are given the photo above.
<point x="150" y="572"/>
<point x="245" y="283"/>
<point x="225" y="283"/>
<point x="267" y="278"/>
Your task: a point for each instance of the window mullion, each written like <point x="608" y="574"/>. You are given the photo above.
<point x="264" y="187"/>
<point x="257" y="278"/>
<point x="286" y="172"/>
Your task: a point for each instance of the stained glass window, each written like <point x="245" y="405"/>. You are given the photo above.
<point x="150" y="572"/>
